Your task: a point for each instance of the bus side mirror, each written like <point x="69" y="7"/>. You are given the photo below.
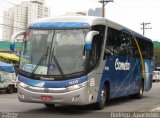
<point x="12" y="43"/>
<point x="88" y="40"/>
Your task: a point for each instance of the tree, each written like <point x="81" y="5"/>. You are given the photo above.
<point x="157" y="56"/>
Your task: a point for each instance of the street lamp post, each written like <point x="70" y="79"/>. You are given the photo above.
<point x="104" y="2"/>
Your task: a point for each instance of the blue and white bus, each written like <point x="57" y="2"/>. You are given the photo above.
<point x="83" y="60"/>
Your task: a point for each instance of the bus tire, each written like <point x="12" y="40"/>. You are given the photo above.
<point x="10" y="89"/>
<point x="139" y="95"/>
<point x="104" y="96"/>
<point x="50" y="105"/>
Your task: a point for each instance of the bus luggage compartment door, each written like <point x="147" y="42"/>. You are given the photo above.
<point x="148" y="75"/>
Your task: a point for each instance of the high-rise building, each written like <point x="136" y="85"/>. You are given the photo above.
<point x="8" y="23"/>
<point x="95" y="12"/>
<point x="20" y="16"/>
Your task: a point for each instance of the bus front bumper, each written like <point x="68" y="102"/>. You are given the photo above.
<point x="35" y="95"/>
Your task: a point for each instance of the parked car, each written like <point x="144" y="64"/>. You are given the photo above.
<point x="156" y="75"/>
<point x="7" y="78"/>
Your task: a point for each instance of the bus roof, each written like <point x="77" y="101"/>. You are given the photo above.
<point x="69" y="21"/>
<point x="81" y="21"/>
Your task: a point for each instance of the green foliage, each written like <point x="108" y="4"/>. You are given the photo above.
<point x="156" y="43"/>
<point x="157" y="55"/>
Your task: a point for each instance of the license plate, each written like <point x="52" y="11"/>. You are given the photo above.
<point x="46" y="98"/>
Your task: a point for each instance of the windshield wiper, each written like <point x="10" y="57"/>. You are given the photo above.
<point x="52" y="56"/>
<point x="58" y="65"/>
<point x="44" y="56"/>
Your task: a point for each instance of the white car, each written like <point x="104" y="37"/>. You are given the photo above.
<point x="7" y="82"/>
<point x="156" y="75"/>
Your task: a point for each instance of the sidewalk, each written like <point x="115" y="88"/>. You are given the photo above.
<point x="155" y="108"/>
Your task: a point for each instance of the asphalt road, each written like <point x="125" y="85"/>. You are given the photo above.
<point x="150" y="101"/>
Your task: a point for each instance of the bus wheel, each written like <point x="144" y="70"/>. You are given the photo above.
<point x="101" y="104"/>
<point x="10" y="89"/>
<point x="49" y="105"/>
<point x="139" y="95"/>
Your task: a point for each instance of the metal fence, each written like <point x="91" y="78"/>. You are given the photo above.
<point x="6" y="45"/>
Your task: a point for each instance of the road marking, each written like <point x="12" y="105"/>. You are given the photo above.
<point x="7" y="99"/>
<point x="155" y="109"/>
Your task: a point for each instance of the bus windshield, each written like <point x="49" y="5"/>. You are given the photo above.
<point x="53" y="52"/>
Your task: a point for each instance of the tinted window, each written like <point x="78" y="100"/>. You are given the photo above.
<point x="97" y="42"/>
<point x="121" y="44"/>
<point x="118" y="43"/>
<point x="146" y="48"/>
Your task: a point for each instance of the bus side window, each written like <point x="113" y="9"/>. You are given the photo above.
<point x="112" y="40"/>
<point x="124" y="45"/>
<point x="97" y="42"/>
<point x="146" y="48"/>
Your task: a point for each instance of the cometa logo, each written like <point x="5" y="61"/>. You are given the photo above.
<point x="44" y="78"/>
<point x="122" y="65"/>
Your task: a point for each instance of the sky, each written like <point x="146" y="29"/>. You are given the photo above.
<point x="129" y="13"/>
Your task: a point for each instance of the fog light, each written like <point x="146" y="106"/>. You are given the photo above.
<point x="21" y="95"/>
<point x="75" y="98"/>
<point x="90" y="97"/>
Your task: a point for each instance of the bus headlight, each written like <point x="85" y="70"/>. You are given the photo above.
<point x="23" y="85"/>
<point x="76" y="86"/>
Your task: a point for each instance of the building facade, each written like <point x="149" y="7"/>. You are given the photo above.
<point x="95" y="12"/>
<point x="75" y="14"/>
<point x="20" y="16"/>
<point x="8" y="23"/>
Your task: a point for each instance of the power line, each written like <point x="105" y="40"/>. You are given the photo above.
<point x="11" y="26"/>
<point x="21" y="7"/>
<point x="12" y="19"/>
<point x="144" y="27"/>
<point x="4" y="7"/>
<point x="8" y="2"/>
<point x="18" y="5"/>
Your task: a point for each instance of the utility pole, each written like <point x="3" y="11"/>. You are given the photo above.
<point x="104" y="2"/>
<point x="145" y="26"/>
